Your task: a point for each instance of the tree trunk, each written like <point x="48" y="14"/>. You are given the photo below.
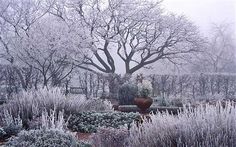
<point x="113" y="83"/>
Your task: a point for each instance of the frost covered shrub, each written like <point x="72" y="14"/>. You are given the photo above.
<point x="2" y="133"/>
<point x="83" y="144"/>
<point x="110" y="137"/>
<point x="35" y="123"/>
<point x="206" y="125"/>
<point x="30" y="105"/>
<point x="127" y="92"/>
<point x="177" y="102"/>
<point x="42" y="138"/>
<point x="162" y="101"/>
<point x="10" y="125"/>
<point x="53" y="121"/>
<point x="96" y="105"/>
<point x="89" y="121"/>
<point x="12" y="129"/>
<point x="144" y="88"/>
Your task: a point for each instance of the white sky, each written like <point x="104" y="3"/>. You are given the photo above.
<point x="204" y="12"/>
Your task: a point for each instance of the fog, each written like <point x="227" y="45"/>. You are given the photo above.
<point x="204" y="12"/>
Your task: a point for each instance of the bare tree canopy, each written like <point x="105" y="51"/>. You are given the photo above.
<point x="31" y="38"/>
<point x="138" y="33"/>
<point x="47" y="39"/>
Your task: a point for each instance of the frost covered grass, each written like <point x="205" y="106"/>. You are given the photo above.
<point x="206" y="125"/>
<point x="30" y="105"/>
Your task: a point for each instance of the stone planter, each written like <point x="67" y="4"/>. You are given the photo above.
<point x="143" y="103"/>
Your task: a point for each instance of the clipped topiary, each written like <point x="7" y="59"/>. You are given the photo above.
<point x="42" y="138"/>
<point x="127" y="93"/>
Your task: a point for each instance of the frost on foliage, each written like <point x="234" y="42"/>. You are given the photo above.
<point x="31" y="104"/>
<point x="144" y="88"/>
<point x="127" y="92"/>
<point x="206" y="125"/>
<point x="42" y="138"/>
<point x="52" y="121"/>
<point x="11" y="125"/>
<point x="2" y="133"/>
<point x="107" y="137"/>
<point x="96" y="105"/>
<point x="90" y="121"/>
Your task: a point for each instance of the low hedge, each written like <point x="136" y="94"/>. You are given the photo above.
<point x="88" y="122"/>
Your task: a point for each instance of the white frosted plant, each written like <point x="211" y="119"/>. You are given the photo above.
<point x="30" y="105"/>
<point x="144" y="88"/>
<point x="42" y="138"/>
<point x="11" y="125"/>
<point x="110" y="137"/>
<point x="94" y="104"/>
<point x="8" y="119"/>
<point x="206" y="125"/>
<point x="52" y="121"/>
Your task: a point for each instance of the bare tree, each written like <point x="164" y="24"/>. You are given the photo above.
<point x="33" y="40"/>
<point x="219" y="55"/>
<point x="49" y="37"/>
<point x="46" y="50"/>
<point x="138" y="33"/>
<point x="16" y="17"/>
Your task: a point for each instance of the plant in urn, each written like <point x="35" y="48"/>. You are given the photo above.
<point x="143" y="101"/>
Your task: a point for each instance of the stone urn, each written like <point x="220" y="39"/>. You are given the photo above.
<point x="143" y="103"/>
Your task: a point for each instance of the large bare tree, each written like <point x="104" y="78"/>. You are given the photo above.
<point x="138" y="33"/>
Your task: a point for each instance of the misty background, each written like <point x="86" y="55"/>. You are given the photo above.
<point x="205" y="14"/>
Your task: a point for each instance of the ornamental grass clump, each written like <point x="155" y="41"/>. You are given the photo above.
<point x="29" y="105"/>
<point x="206" y="125"/>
